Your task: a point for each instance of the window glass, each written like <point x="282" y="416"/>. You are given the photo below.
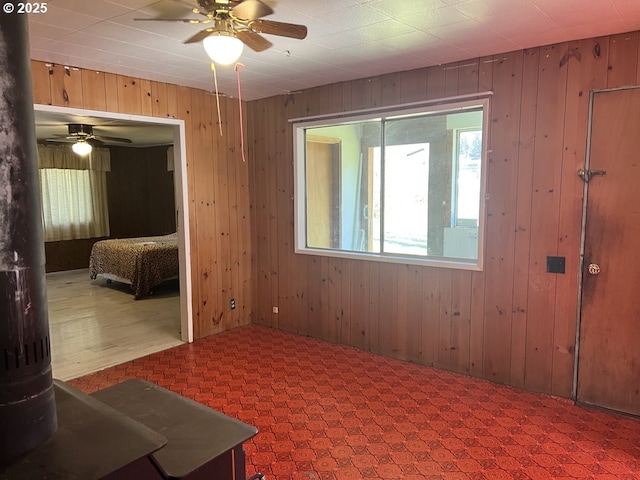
<point x="467" y="187"/>
<point x="406" y="212"/>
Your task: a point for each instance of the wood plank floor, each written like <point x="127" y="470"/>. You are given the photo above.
<point x="94" y="325"/>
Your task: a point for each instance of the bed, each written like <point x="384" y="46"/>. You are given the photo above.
<point x="142" y="262"/>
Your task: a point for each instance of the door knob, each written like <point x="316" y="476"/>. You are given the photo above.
<point x="594" y="268"/>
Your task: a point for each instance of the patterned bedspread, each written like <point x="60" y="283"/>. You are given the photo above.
<point x="145" y="262"/>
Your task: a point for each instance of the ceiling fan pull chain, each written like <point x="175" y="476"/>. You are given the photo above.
<point x="237" y="67"/>
<point x="215" y="83"/>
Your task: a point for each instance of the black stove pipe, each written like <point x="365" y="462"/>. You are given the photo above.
<point x="27" y="404"/>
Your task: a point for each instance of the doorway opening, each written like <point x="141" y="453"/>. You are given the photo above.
<point x="172" y="132"/>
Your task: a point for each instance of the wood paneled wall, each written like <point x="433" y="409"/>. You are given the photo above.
<point x="512" y="323"/>
<point x="218" y="185"/>
<point x="68" y="254"/>
<point x="140" y="192"/>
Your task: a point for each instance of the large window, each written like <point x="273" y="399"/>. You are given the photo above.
<point x="404" y="185"/>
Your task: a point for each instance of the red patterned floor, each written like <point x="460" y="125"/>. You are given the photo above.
<point x="330" y="412"/>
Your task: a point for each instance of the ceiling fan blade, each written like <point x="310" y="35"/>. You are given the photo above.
<point x="202" y="34"/>
<point x="279" y="28"/>
<point x="91" y="141"/>
<point x="254" y="41"/>
<point x="94" y="142"/>
<point x="183" y="20"/>
<point x="103" y="138"/>
<point x="251" y="10"/>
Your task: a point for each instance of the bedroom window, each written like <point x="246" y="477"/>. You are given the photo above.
<point x="73" y="192"/>
<point x="403" y="185"/>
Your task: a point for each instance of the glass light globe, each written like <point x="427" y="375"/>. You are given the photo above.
<point x="223" y="48"/>
<point x="82" y="148"/>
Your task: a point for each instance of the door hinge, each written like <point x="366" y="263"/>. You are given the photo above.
<point x="587" y="175"/>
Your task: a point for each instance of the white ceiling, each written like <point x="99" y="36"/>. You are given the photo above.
<point x="51" y="125"/>
<point x="347" y="39"/>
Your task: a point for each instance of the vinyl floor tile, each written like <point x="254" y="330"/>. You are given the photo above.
<point x="331" y="412"/>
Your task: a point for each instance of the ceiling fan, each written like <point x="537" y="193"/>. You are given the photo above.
<point x="235" y="19"/>
<point x="83" y="132"/>
<point x="83" y="138"/>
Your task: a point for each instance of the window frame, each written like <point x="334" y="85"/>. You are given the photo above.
<point x="440" y="106"/>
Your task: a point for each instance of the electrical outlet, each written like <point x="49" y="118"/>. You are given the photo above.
<point x="275" y="309"/>
<point x="232" y="304"/>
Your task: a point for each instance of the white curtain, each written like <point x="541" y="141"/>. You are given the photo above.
<point x="73" y="192"/>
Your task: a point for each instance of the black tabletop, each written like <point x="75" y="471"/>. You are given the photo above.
<point x="92" y="441"/>
<point x="196" y="434"/>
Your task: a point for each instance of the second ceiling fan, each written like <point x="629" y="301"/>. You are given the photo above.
<point x="236" y="20"/>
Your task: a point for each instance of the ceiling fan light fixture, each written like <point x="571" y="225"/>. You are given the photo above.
<point x="223" y="47"/>
<point x="81" y="148"/>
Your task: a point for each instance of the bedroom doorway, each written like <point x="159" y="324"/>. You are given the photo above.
<point x="173" y="132"/>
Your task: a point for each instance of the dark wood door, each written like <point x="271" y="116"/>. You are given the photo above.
<point x="609" y="349"/>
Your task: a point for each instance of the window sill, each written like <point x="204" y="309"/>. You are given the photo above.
<point x="436" y="262"/>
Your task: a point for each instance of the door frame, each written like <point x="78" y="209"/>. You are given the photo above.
<point x="181" y="199"/>
<point x="583" y="233"/>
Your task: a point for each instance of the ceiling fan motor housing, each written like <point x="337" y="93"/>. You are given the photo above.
<point x="210" y="5"/>
<point x="80" y="129"/>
